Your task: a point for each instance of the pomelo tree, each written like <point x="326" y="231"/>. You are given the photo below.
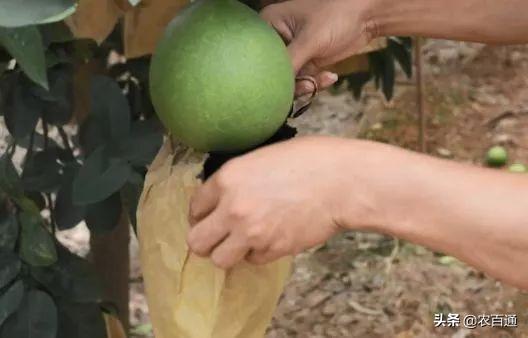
<point x="79" y="132"/>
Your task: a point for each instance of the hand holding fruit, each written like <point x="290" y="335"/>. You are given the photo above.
<point x="319" y="33"/>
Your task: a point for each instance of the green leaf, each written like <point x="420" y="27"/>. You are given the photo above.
<point x="10" y="182"/>
<point x="42" y="171"/>
<point x="38" y="142"/>
<point x="71" y="278"/>
<point x="22" y="109"/>
<point x="389" y="75"/>
<point x="35" y="318"/>
<point x="16" y="13"/>
<point x="143" y="142"/>
<point x="109" y="121"/>
<point x="67" y="215"/>
<point x="8" y="231"/>
<point x="56" y="32"/>
<point x="80" y="320"/>
<point x="10" y="300"/>
<point x="25" y="45"/>
<point x="37" y="198"/>
<point x="100" y="177"/>
<point x="402" y="54"/>
<point x="142" y="330"/>
<point x="36" y="243"/>
<point x="9" y="267"/>
<point x="59" y="110"/>
<point x="357" y="81"/>
<point x="104" y="216"/>
<point x="110" y="107"/>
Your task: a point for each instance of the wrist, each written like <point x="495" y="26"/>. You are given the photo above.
<point x="370" y="179"/>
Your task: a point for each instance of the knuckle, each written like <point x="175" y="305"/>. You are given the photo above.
<point x="280" y="248"/>
<point x="220" y="262"/>
<point x="223" y="178"/>
<point x="195" y="247"/>
<point x="257" y="260"/>
<point x="238" y="211"/>
<point x="255" y="235"/>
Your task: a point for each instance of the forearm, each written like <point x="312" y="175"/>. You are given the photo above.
<point x="487" y="21"/>
<point x="478" y="215"/>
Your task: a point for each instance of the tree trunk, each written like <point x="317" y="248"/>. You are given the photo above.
<point x="110" y="254"/>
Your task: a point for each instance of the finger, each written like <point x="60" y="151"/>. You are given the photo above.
<point x="203" y="201"/>
<point x="301" y="50"/>
<point x="231" y="251"/>
<point x="207" y="234"/>
<point x="324" y="80"/>
<point x="263" y="256"/>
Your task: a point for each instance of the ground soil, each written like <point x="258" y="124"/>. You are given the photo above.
<point x="366" y="285"/>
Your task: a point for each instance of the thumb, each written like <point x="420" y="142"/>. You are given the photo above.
<point x="302" y="49"/>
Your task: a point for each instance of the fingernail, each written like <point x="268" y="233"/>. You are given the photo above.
<point x="333" y="77"/>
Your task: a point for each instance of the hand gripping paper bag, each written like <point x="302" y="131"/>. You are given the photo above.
<point x="188" y="296"/>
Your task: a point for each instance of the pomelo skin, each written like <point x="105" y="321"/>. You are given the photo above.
<point x="221" y="78"/>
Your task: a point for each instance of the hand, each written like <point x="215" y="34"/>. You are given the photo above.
<point x="320" y="33"/>
<point x="276" y="201"/>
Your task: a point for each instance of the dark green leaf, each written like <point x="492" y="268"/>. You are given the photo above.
<point x="110" y="108"/>
<point x="36" y="243"/>
<point x="71" y="278"/>
<point x="103" y="217"/>
<point x="35" y="318"/>
<point x="405" y="40"/>
<point x="38" y="142"/>
<point x="357" y="81"/>
<point x="21" y="108"/>
<point x="376" y="64"/>
<point x="8" y="231"/>
<point x="143" y="143"/>
<point x="67" y="215"/>
<point x="37" y="198"/>
<point x="59" y="110"/>
<point x="91" y="135"/>
<point x="42" y="171"/>
<point x="25" y="45"/>
<point x="382" y="67"/>
<point x="10" y="182"/>
<point x="403" y="55"/>
<point x="56" y="32"/>
<point x="10" y="300"/>
<point x="80" y="320"/>
<point x="388" y="76"/>
<point x="100" y="177"/>
<point x="16" y="13"/>
<point x="9" y="267"/>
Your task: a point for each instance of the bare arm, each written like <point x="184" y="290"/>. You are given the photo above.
<point x="284" y="198"/>
<point x="487" y="21"/>
<point x="478" y="215"/>
<point x="322" y="32"/>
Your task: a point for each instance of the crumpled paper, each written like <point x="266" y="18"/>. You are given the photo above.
<point x="188" y="296"/>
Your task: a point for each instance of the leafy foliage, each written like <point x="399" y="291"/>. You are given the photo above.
<point x="91" y="172"/>
<point x="382" y="67"/>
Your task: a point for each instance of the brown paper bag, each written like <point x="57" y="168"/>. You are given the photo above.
<point x="187" y="295"/>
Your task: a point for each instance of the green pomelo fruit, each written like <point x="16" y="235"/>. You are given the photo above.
<point x="221" y="78"/>
<point x="518" y="168"/>
<point x="497" y="156"/>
